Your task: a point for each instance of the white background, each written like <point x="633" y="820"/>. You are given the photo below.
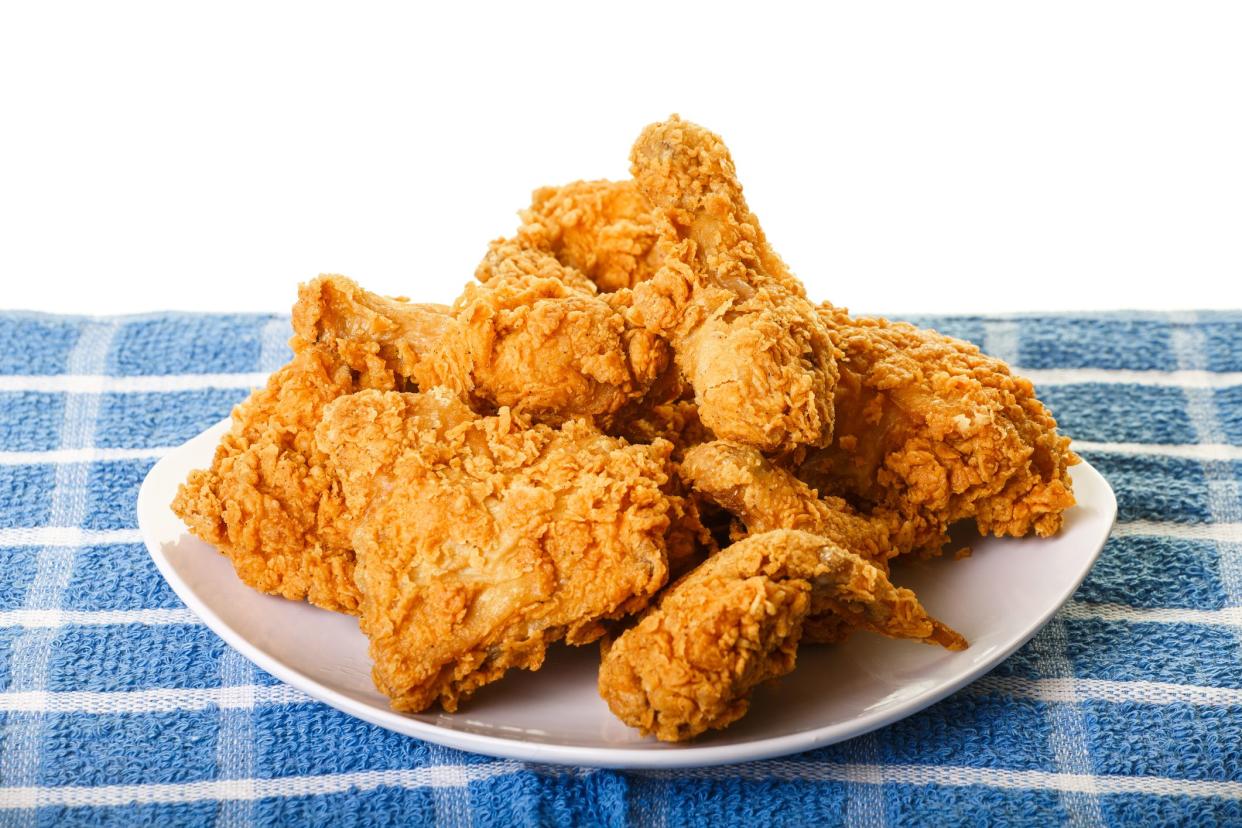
<point x="930" y="157"/>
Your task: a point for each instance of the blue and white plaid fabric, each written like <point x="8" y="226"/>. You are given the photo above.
<point x="119" y="708"/>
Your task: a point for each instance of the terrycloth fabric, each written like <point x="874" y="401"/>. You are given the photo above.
<point x="119" y="708"/>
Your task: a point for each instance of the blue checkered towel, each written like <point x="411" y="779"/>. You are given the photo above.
<point x="119" y="708"/>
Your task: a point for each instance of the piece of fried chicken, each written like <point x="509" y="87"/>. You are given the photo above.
<point x="481" y="540"/>
<point x="268" y="501"/>
<point x="692" y="661"/>
<point x="930" y="428"/>
<point x="765" y="496"/>
<point x="537" y="337"/>
<point x="603" y="229"/>
<point x="744" y="335"/>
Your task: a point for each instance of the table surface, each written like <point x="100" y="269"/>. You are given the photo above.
<point x="119" y="706"/>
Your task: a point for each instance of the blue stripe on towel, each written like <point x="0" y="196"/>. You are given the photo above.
<point x="188" y="344"/>
<point x="118" y="577"/>
<point x="30" y="420"/>
<point x="1157" y="572"/>
<point x="1120" y="412"/>
<point x="156" y="419"/>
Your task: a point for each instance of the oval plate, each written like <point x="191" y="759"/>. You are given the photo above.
<point x="998" y="598"/>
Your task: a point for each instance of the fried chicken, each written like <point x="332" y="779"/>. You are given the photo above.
<point x="603" y="229"/>
<point x="481" y="540"/>
<point x="527" y="341"/>
<point x="930" y="428"/>
<point x="537" y="338"/>
<point x="691" y="662"/>
<point x="268" y="501"/>
<point x="743" y="333"/>
<point x="635" y="381"/>
<point x="373" y="334"/>
<point x="767" y="497"/>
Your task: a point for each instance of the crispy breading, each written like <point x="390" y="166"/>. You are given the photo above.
<point x="692" y="661"/>
<point x="482" y="540"/>
<point x="766" y="497"/>
<point x="603" y="229"/>
<point x="371" y="333"/>
<point x="537" y="338"/>
<point x="527" y="341"/>
<point x="931" y="428"/>
<point x="744" y="335"/>
<point x="267" y="501"/>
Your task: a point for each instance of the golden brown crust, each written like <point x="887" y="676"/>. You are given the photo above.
<point x="766" y="497"/>
<point x="929" y="426"/>
<point x="268" y="501"/>
<point x="372" y="334"/>
<point x="537" y="338"/>
<point x="602" y="229"/>
<point x="691" y="662"/>
<point x="482" y="540"/>
<point x="744" y="335"/>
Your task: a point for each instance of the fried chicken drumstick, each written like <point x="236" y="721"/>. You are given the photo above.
<point x="482" y="541"/>
<point x="744" y="335"/>
<point x="691" y="661"/>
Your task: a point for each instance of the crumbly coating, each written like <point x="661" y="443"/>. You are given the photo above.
<point x="603" y="229"/>
<point x="268" y="501"/>
<point x="482" y="540"/>
<point x="373" y="335"/>
<point x="743" y="333"/>
<point x="537" y="338"/>
<point x="692" y="661"/>
<point x="930" y="427"/>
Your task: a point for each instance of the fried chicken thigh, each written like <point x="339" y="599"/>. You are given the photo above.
<point x="481" y="541"/>
<point x="929" y="427"/>
<point x="691" y="662"/>
<point x="744" y="335"/>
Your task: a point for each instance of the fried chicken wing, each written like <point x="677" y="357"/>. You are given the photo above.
<point x="930" y="427"/>
<point x="692" y="661"/>
<point x="744" y="335"/>
<point x="603" y="229"/>
<point x="765" y="497"/>
<point x="481" y="541"/>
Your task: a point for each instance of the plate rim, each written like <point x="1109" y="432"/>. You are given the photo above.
<point x="687" y="755"/>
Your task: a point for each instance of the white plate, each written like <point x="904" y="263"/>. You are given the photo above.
<point x="998" y="598"/>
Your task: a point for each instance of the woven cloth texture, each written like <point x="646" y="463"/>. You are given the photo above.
<point x="119" y="707"/>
